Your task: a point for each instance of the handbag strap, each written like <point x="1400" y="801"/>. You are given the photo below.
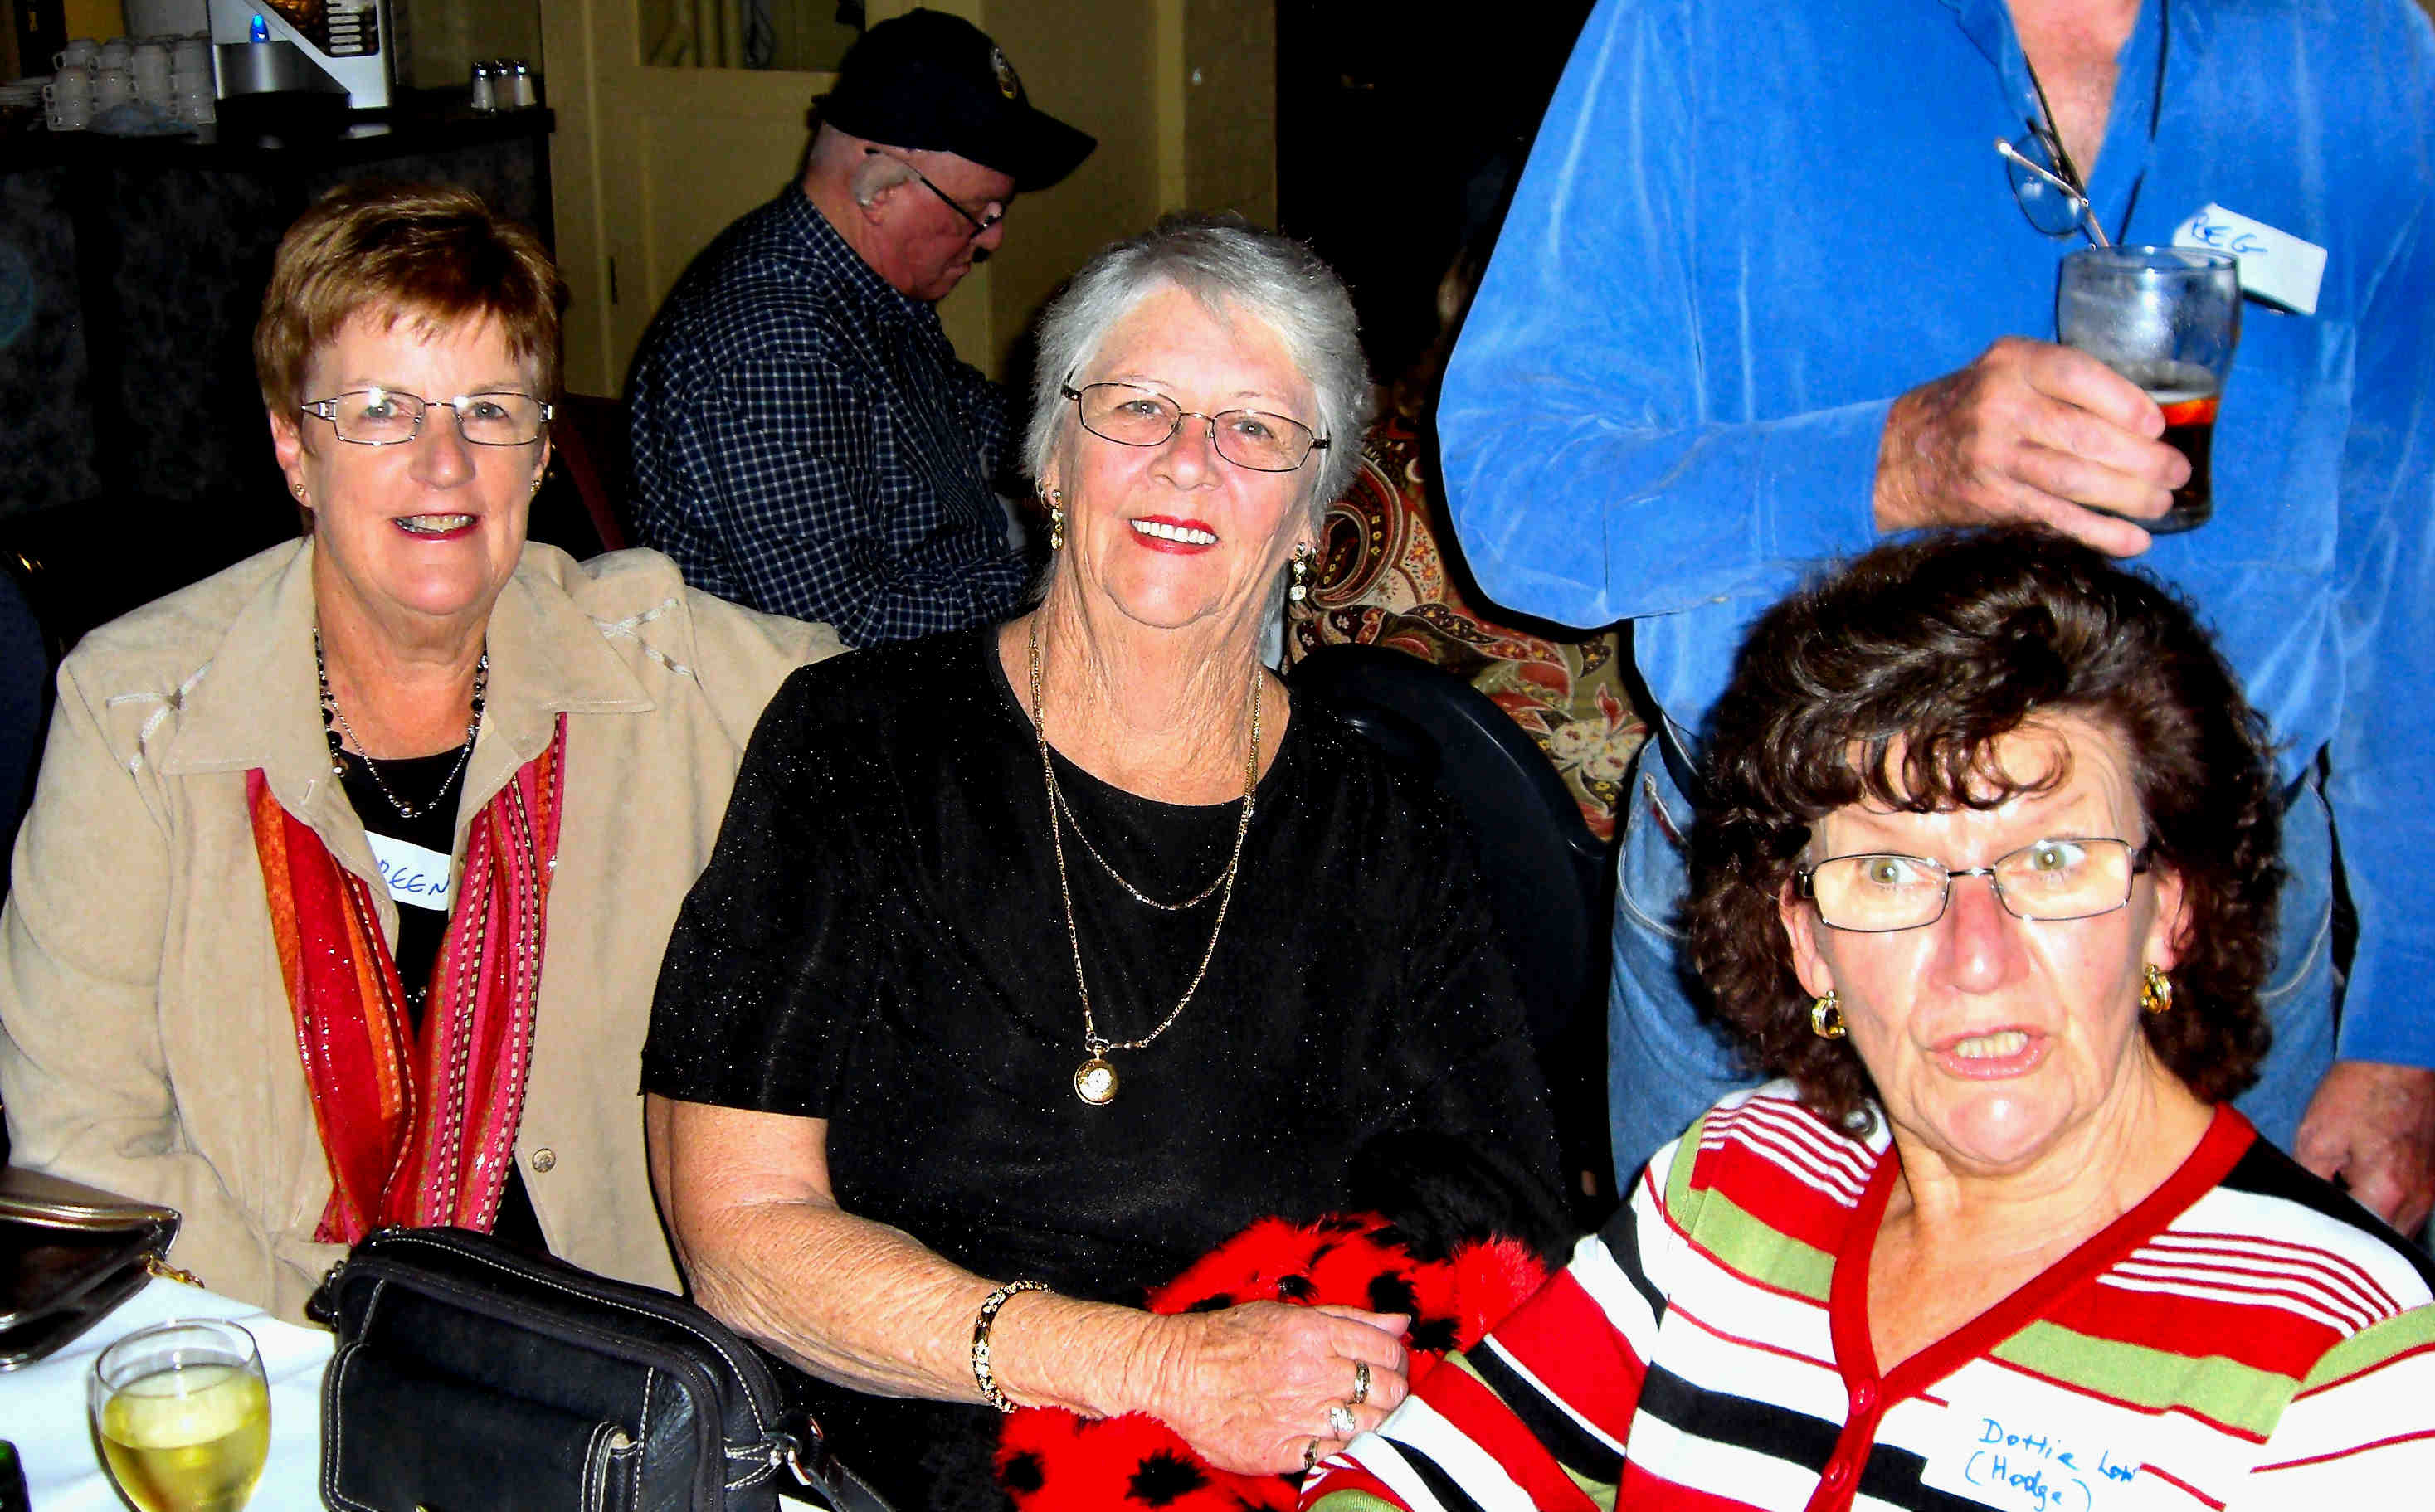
<point x="820" y="1478"/>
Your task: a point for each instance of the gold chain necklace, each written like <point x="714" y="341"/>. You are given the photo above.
<point x="1095" y="1079"/>
<point x="1117" y="877"/>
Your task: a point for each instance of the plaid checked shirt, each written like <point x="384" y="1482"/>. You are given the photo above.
<point x="806" y="441"/>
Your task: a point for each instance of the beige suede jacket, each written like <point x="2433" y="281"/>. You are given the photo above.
<point x="147" y="1044"/>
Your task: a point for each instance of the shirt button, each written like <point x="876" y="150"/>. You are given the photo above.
<point x="1837" y="1472"/>
<point x="543" y="1159"/>
<point x="1864" y="1399"/>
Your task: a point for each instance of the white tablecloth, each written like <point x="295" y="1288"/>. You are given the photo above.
<point x="43" y="1407"/>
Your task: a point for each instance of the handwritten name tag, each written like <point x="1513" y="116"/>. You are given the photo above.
<point x="416" y="877"/>
<point x="2274" y="265"/>
<point x="2025" y="1445"/>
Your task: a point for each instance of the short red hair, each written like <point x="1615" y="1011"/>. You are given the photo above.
<point x="428" y="254"/>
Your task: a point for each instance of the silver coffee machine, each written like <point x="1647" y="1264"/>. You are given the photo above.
<point x="312" y="45"/>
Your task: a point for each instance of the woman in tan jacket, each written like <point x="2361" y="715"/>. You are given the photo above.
<point x="345" y="884"/>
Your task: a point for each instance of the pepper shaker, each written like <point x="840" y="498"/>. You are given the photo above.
<point x="516" y="82"/>
<point x="486" y="88"/>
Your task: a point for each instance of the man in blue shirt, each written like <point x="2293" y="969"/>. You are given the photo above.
<point x="1767" y="293"/>
<point x="804" y="440"/>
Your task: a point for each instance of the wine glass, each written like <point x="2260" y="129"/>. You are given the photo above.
<point x="183" y="1415"/>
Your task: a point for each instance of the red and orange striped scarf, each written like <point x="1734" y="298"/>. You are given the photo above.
<point x="419" y="1128"/>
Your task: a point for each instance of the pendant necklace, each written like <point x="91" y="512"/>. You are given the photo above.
<point x="1095" y="1079"/>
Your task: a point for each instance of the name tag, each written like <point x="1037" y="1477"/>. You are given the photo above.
<point x="2024" y="1446"/>
<point x="415" y="878"/>
<point x="2274" y="265"/>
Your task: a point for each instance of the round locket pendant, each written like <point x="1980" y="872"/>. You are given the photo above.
<point x="1094" y="1082"/>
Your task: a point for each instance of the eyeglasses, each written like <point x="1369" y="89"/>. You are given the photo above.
<point x="2049" y="880"/>
<point x="387" y="417"/>
<point x="1247" y="437"/>
<point x="980" y="224"/>
<point x="2047" y="183"/>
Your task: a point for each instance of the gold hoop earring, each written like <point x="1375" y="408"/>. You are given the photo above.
<point x="1056" y="520"/>
<point x="1827" y="1016"/>
<point x="2155" y="991"/>
<point x="1303" y="555"/>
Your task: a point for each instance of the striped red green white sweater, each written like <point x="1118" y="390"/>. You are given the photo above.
<point x="2247" y="1338"/>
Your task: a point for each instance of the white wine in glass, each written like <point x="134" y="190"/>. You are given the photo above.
<point x="183" y="1416"/>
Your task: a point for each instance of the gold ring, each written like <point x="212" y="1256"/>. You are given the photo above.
<point x="1339" y="1421"/>
<point x="1360" y="1381"/>
<point x="1309" y="1455"/>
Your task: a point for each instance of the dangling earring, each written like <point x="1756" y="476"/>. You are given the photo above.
<point x="1303" y="555"/>
<point x="2155" y="991"/>
<point x="1827" y="1016"/>
<point x="1056" y="520"/>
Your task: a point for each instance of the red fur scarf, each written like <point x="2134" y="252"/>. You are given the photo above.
<point x="1050" y="1460"/>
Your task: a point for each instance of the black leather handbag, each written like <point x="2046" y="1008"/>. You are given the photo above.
<point x="473" y="1377"/>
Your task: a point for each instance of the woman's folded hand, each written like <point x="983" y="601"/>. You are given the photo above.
<point x="1251" y="1388"/>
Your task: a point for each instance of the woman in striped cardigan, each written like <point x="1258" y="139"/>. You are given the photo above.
<point x="1986" y="881"/>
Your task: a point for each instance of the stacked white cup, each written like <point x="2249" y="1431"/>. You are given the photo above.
<point x="152" y="73"/>
<point x="192" y="95"/>
<point x="67" y="100"/>
<point x="83" y="53"/>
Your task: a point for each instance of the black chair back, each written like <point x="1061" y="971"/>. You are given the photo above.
<point x="1551" y="879"/>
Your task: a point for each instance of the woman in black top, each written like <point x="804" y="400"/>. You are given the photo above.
<point x="1056" y="954"/>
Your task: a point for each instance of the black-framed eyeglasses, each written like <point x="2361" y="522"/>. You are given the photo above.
<point x="2050" y="881"/>
<point x="981" y="224"/>
<point x="1252" y="438"/>
<point x="390" y="417"/>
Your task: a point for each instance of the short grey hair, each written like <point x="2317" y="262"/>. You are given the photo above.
<point x="1233" y="268"/>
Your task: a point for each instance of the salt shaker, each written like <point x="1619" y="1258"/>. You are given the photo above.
<point x="486" y="88"/>
<point x="516" y="85"/>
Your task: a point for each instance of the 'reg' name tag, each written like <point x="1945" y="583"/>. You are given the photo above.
<point x="2274" y="265"/>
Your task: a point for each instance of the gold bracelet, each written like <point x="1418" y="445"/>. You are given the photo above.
<point x="990" y="1393"/>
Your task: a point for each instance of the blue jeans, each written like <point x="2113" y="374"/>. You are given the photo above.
<point x="1665" y="1066"/>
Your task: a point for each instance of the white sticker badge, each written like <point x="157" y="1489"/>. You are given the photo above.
<point x="2014" y="1442"/>
<point x="2274" y="265"/>
<point x="416" y="876"/>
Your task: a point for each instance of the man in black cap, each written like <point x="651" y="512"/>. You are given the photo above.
<point x="805" y="440"/>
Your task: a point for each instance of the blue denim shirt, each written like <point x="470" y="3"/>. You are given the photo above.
<point x="1749" y="225"/>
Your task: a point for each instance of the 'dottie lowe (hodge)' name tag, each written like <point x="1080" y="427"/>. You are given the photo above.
<point x="2274" y="265"/>
<point x="2022" y="1445"/>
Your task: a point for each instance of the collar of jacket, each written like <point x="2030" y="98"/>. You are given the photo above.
<point x="258" y="704"/>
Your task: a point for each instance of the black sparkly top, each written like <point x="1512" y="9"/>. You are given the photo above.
<point x="879" y="941"/>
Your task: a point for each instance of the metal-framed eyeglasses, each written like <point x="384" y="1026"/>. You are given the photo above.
<point x="2049" y="880"/>
<point x="390" y="416"/>
<point x="2047" y="183"/>
<point x="991" y="214"/>
<point x="1252" y="439"/>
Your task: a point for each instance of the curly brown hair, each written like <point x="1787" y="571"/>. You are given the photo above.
<point x="1920" y="657"/>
